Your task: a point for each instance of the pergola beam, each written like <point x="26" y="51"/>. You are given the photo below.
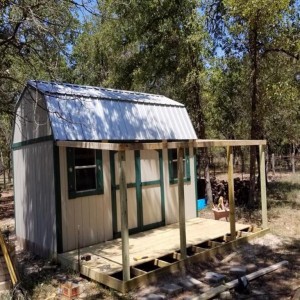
<point x="159" y="145"/>
<point x="180" y="145"/>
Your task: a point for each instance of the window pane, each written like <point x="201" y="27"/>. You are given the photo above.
<point x="85" y="179"/>
<point x="84" y="157"/>
<point x="174" y="169"/>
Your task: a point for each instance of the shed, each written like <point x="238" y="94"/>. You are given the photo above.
<point x="67" y="187"/>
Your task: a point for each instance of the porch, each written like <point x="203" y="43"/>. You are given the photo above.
<point x="155" y="251"/>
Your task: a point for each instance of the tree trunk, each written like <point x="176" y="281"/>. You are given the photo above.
<point x="267" y="160"/>
<point x="195" y="108"/>
<point x="293" y="158"/>
<point x="208" y="189"/>
<point x="273" y="164"/>
<point x="255" y="122"/>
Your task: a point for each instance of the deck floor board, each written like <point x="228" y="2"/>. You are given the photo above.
<point x="106" y="257"/>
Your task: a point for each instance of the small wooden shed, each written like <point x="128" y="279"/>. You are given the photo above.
<point x="67" y="188"/>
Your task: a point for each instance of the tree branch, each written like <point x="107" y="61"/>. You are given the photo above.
<point x="281" y="50"/>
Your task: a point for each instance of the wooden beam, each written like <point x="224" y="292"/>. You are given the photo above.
<point x="181" y="205"/>
<point x="158" y="145"/>
<point x="225" y="143"/>
<point x="114" y="146"/>
<point x="263" y="193"/>
<point x="124" y="218"/>
<point x="231" y="192"/>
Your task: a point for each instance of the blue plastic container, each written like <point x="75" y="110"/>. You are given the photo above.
<point x="201" y="204"/>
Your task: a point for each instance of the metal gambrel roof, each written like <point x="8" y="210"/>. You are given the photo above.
<point x="93" y="113"/>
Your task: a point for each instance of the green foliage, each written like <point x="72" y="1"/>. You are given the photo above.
<point x="165" y="47"/>
<point x="159" y="47"/>
<point x="228" y="98"/>
<point x="260" y="92"/>
<point x="33" y="40"/>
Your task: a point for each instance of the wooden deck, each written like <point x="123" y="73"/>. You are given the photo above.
<point x="106" y="258"/>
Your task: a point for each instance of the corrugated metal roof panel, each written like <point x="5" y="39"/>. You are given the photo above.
<point x="78" y="116"/>
<point x="98" y="92"/>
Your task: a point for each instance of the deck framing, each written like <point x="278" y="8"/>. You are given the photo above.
<point x="158" y="250"/>
<point x="125" y="280"/>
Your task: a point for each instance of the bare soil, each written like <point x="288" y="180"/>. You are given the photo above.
<point x="43" y="279"/>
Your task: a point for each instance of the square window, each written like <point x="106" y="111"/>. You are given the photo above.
<point x="85" y="175"/>
<point x="85" y="179"/>
<point x="173" y="165"/>
<point x="84" y="157"/>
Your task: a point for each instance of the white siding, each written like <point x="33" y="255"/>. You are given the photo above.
<point x="149" y="165"/>
<point x="131" y="208"/>
<point x="151" y="195"/>
<point x="92" y="214"/>
<point x="151" y="204"/>
<point x="171" y="193"/>
<point x="131" y="192"/>
<point x="31" y="118"/>
<point x="34" y="197"/>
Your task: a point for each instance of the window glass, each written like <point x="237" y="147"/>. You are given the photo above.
<point x="85" y="179"/>
<point x="85" y="175"/>
<point x="84" y="157"/>
<point x="173" y="165"/>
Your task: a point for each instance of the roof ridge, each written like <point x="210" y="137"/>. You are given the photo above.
<point x="91" y="87"/>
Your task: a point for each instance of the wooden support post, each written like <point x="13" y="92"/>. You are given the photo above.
<point x="263" y="193"/>
<point x="231" y="192"/>
<point x="181" y="205"/>
<point x="124" y="218"/>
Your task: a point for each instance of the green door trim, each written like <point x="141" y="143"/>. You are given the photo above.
<point x="195" y="178"/>
<point x="160" y="182"/>
<point x="162" y="187"/>
<point x="138" y="184"/>
<point x="114" y="188"/>
<point x="113" y="192"/>
<point x="139" y="197"/>
<point x="141" y="184"/>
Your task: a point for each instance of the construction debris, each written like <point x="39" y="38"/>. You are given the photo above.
<point x="234" y="283"/>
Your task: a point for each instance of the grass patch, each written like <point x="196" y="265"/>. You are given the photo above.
<point x="285" y="192"/>
<point x="284" y="206"/>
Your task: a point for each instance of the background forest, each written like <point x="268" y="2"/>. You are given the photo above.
<point x="233" y="63"/>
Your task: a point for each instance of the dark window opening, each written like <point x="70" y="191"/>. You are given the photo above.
<point x="84" y="172"/>
<point x="173" y="165"/>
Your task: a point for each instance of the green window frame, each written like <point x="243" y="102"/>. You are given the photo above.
<point x="173" y="175"/>
<point x="85" y="172"/>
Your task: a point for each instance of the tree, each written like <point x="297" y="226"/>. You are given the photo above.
<point x="158" y="47"/>
<point x="154" y="46"/>
<point x="254" y="30"/>
<point x="33" y="39"/>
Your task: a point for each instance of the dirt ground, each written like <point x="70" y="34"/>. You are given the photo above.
<point x="43" y="279"/>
